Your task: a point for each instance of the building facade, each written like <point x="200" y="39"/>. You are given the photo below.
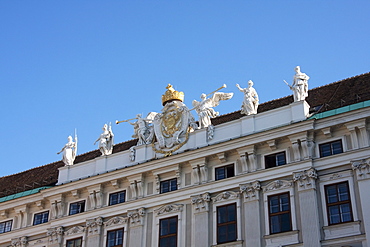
<point x="294" y="174"/>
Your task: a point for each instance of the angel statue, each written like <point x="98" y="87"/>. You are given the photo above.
<point x="300" y="85"/>
<point x="250" y="102"/>
<point x="142" y="129"/>
<point x="69" y="151"/>
<point x="106" y="140"/>
<point x="204" y="107"/>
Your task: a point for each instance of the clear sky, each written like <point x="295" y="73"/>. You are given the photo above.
<point x="81" y="64"/>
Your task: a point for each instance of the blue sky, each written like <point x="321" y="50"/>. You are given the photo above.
<point x="80" y="64"/>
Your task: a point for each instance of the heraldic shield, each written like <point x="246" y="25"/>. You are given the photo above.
<point x="172" y="126"/>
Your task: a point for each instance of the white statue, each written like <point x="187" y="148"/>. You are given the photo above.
<point x="69" y="151"/>
<point x="106" y="140"/>
<point x="300" y="85"/>
<point x="204" y="107"/>
<point x="250" y="102"/>
<point x="142" y="130"/>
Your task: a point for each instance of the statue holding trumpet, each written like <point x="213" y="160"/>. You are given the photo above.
<point x="142" y="129"/>
<point x="106" y="140"/>
<point x="204" y="108"/>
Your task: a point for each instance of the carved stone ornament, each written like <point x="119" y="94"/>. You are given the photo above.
<point x="118" y="220"/>
<point x="75" y="230"/>
<point x="305" y="179"/>
<point x="362" y="168"/>
<point x="225" y="196"/>
<point x="250" y="190"/>
<point x="136" y="216"/>
<point x="94" y="225"/>
<point x="201" y="202"/>
<point x="172" y="126"/>
<point x="55" y="234"/>
<point x="19" y="242"/>
<point x="277" y="185"/>
<point x="166" y="209"/>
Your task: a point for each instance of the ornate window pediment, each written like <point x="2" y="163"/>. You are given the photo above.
<point x="166" y="209"/>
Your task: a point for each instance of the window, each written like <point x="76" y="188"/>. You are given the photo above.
<point x="226" y="223"/>
<point x="77" y="242"/>
<point x="41" y="218"/>
<point x="168" y="185"/>
<point x="6" y="226"/>
<point x="77" y="207"/>
<point x="115" y="238"/>
<point x="224" y="172"/>
<point x="279" y="213"/>
<point x="331" y="148"/>
<point x="116" y="198"/>
<point x="338" y="203"/>
<point x="168" y="232"/>
<point x="274" y="160"/>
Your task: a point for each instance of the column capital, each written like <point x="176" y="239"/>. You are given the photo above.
<point x="250" y="190"/>
<point x="201" y="202"/>
<point x="362" y="168"/>
<point x="305" y="179"/>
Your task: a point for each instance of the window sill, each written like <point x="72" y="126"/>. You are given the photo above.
<point x="283" y="238"/>
<point x="342" y="230"/>
<point x="238" y="243"/>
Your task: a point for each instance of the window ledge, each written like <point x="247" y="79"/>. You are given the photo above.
<point x="342" y="230"/>
<point x="238" y="243"/>
<point x="283" y="238"/>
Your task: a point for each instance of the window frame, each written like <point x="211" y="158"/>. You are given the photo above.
<point x="5" y="226"/>
<point x="117" y="192"/>
<point x="328" y="205"/>
<point x="74" y="239"/>
<point x="77" y="202"/>
<point x="115" y="230"/>
<point x="169" y="186"/>
<point x="274" y="154"/>
<point x="270" y="214"/>
<point x="235" y="222"/>
<point x="168" y="235"/>
<point x="116" y="223"/>
<point x="225" y="167"/>
<point x="331" y="149"/>
<point x="36" y="214"/>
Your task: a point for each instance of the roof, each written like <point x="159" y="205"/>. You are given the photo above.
<point x="321" y="99"/>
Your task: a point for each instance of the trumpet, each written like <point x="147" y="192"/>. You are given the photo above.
<point x="223" y="86"/>
<point x="117" y="122"/>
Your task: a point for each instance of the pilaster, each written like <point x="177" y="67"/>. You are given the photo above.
<point x="200" y="227"/>
<point x="137" y="236"/>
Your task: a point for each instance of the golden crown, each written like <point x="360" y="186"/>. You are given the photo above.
<point x="172" y="94"/>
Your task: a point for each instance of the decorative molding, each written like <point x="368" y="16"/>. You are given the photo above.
<point x="115" y="183"/>
<point x="250" y="190"/>
<point x="222" y="157"/>
<point x="4" y="213"/>
<point x="277" y="185"/>
<point x="94" y="225"/>
<point x="225" y="196"/>
<point x="272" y="144"/>
<point x="75" y="194"/>
<point x="118" y="220"/>
<point x="40" y="204"/>
<point x="362" y="168"/>
<point x="136" y="216"/>
<point x="19" y="242"/>
<point x="305" y="179"/>
<point x="335" y="176"/>
<point x="55" y="234"/>
<point x="75" y="230"/>
<point x="201" y="202"/>
<point x="166" y="209"/>
<point x="327" y="132"/>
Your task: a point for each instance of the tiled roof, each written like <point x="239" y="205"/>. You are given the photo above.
<point x="338" y="94"/>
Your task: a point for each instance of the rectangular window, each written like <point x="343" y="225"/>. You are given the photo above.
<point x="279" y="213"/>
<point x="115" y="238"/>
<point x="74" y="242"/>
<point x="224" y="172"/>
<point x="338" y="203"/>
<point x="116" y="198"/>
<point x="168" y="232"/>
<point x="77" y="207"/>
<point x="168" y="185"/>
<point x="41" y="218"/>
<point x="226" y="223"/>
<point x="331" y="148"/>
<point x="6" y="226"/>
<point x="274" y="160"/>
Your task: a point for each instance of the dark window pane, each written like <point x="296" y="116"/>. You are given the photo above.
<point x="168" y="232"/>
<point x="220" y="173"/>
<point x="331" y="148"/>
<point x="168" y="185"/>
<point x="274" y="160"/>
<point x="226" y="223"/>
<point x="116" y="198"/>
<point x="338" y="203"/>
<point x="279" y="213"/>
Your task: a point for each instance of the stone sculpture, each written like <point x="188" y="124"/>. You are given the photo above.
<point x="106" y="140"/>
<point x="142" y="129"/>
<point x="300" y="85"/>
<point x="250" y="102"/>
<point x="69" y="151"/>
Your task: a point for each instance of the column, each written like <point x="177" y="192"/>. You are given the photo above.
<point x="200" y="231"/>
<point x="362" y="171"/>
<point x="252" y="213"/>
<point x="307" y="194"/>
<point x="137" y="236"/>
<point x="94" y="231"/>
<point x="55" y="236"/>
